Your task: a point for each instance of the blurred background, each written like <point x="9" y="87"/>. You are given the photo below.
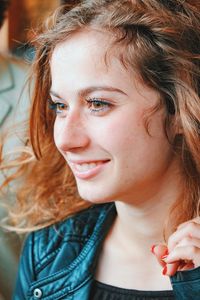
<point x="23" y="16"/>
<point x="18" y="21"/>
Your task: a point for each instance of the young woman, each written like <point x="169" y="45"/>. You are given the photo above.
<point x="116" y="113"/>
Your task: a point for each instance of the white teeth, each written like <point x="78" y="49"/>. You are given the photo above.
<point x="85" y="167"/>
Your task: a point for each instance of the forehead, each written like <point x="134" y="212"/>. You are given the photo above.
<point x="88" y="56"/>
<point x="79" y="62"/>
<point x="92" y="45"/>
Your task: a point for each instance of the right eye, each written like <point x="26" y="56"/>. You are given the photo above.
<point x="58" y="107"/>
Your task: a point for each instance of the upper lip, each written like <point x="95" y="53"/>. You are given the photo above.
<point x="86" y="161"/>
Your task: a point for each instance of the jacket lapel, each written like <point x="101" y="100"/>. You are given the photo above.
<point x="6" y="76"/>
<point x="6" y="84"/>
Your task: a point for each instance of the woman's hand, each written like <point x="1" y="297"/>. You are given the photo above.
<point x="183" y="249"/>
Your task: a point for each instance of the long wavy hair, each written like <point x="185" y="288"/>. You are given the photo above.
<point x="160" y="40"/>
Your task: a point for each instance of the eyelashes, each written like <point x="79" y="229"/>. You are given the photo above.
<point x="95" y="106"/>
<point x="58" y="107"/>
<point x="98" y="105"/>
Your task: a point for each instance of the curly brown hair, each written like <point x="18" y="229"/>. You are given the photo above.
<point x="161" y="39"/>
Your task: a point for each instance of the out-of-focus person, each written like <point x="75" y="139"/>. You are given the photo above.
<point x="13" y="104"/>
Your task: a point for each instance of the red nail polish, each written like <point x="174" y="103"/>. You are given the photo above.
<point x="164" y="256"/>
<point x="164" y="270"/>
<point x="166" y="252"/>
<point x="152" y="248"/>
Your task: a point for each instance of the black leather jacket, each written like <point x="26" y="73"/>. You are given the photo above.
<point x="59" y="262"/>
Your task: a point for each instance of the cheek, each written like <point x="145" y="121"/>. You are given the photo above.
<point x="120" y="133"/>
<point x="127" y="138"/>
<point x="56" y="132"/>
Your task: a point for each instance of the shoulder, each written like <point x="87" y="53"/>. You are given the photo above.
<point x="13" y="69"/>
<point x="14" y="93"/>
<point x="68" y="236"/>
<point x="14" y="73"/>
<point x="15" y="63"/>
<point x="60" y="258"/>
<point x="79" y="225"/>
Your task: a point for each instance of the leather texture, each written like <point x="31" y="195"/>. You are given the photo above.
<point x="59" y="262"/>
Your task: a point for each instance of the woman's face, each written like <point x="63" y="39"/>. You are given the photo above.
<point x="100" y="128"/>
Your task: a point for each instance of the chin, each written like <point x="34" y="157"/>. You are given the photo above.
<point x="94" y="197"/>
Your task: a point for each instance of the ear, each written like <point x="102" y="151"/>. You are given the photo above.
<point x="178" y="128"/>
<point x="176" y="125"/>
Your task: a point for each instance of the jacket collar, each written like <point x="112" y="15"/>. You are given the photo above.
<point x="6" y="84"/>
<point x="82" y="270"/>
<point x="6" y="75"/>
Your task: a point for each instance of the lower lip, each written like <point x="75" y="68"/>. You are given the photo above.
<point x="90" y="173"/>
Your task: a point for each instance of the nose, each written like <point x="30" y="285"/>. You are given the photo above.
<point x="70" y="133"/>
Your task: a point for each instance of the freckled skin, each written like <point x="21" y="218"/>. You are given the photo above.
<point x="140" y="164"/>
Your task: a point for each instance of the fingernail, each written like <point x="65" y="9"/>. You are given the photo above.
<point x="152" y="248"/>
<point x="164" y="256"/>
<point x="164" y="270"/>
<point x="166" y="252"/>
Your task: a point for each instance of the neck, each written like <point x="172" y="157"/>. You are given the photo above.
<point x="141" y="223"/>
<point x="140" y="228"/>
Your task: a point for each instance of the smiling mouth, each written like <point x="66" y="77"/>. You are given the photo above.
<point x="86" y="170"/>
<point x="84" y="167"/>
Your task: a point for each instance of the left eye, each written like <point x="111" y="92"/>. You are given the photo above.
<point x="58" y="107"/>
<point x="98" y="105"/>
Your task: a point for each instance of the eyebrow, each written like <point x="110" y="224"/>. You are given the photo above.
<point x="84" y="92"/>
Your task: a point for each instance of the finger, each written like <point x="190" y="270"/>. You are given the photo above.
<point x="171" y="269"/>
<point x="160" y="251"/>
<point x="195" y="220"/>
<point x="191" y="230"/>
<point x="189" y="241"/>
<point x="189" y="254"/>
<point x="183" y="266"/>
